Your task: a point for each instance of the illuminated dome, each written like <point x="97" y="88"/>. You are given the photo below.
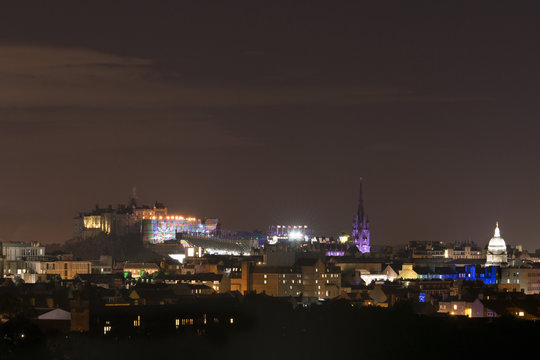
<point x="496" y="254"/>
<point x="497" y="245"/>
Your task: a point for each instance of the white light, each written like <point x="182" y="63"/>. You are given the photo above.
<point x="274" y="240"/>
<point x="295" y="235"/>
<point x="178" y="257"/>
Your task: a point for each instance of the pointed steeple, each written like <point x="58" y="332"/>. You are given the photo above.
<point x="133" y="200"/>
<point x="360" y="213"/>
<point x="360" y="225"/>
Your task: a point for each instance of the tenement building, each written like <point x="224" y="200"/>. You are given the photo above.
<point x="307" y="278"/>
<point x="524" y="279"/>
<point x="22" y="251"/>
<point x="66" y="269"/>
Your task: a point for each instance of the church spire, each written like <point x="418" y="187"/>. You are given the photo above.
<point x="360" y="213"/>
<point x="360" y="226"/>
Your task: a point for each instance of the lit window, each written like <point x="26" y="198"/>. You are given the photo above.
<point x="265" y="282"/>
<point x="231" y="320"/>
<point x="521" y="313"/>
<point x="455" y="307"/>
<point x="265" y="276"/>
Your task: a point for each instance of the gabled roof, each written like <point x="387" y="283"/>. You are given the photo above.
<point x="56" y="314"/>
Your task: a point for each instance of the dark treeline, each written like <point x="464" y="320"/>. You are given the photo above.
<point x="273" y="330"/>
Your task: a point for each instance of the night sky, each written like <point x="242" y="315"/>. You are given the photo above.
<point x="263" y="113"/>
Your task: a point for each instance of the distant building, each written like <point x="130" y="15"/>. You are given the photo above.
<point x="27" y="270"/>
<point x="154" y="224"/>
<point x="489" y="275"/>
<point x="103" y="265"/>
<point x="277" y="280"/>
<point x="138" y="269"/>
<point x="427" y="249"/>
<point x="288" y="233"/>
<point x="440" y="250"/>
<point x="521" y="279"/>
<point x="360" y="226"/>
<point x="354" y="269"/>
<point x="474" y="308"/>
<point x="407" y="272"/>
<point x="22" y="261"/>
<point x="219" y="283"/>
<point x="464" y="252"/>
<point x="306" y="278"/>
<point x="22" y="251"/>
<point x="67" y="270"/>
<point x="496" y="254"/>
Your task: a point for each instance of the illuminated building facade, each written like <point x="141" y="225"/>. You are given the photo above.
<point x="156" y="231"/>
<point x="154" y="224"/>
<point x="360" y="227"/>
<point x="67" y="270"/>
<point x="496" y="254"/>
<point x="288" y="233"/>
<point x="139" y="269"/>
<point x="277" y="280"/>
<point x="521" y="279"/>
<point x="22" y="251"/>
<point x="440" y="250"/>
<point x="306" y="278"/>
<point x="120" y="221"/>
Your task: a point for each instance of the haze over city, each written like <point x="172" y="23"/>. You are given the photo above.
<point x="265" y="114"/>
<point x="269" y="180"/>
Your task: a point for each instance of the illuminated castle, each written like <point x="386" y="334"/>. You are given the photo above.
<point x="360" y="227"/>
<point x="154" y="224"/>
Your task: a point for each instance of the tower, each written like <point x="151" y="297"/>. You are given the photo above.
<point x="360" y="226"/>
<point x="496" y="254"/>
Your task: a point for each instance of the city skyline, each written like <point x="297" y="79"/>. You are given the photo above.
<point x="268" y="115"/>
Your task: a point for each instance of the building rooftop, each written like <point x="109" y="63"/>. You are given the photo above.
<point x="276" y="269"/>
